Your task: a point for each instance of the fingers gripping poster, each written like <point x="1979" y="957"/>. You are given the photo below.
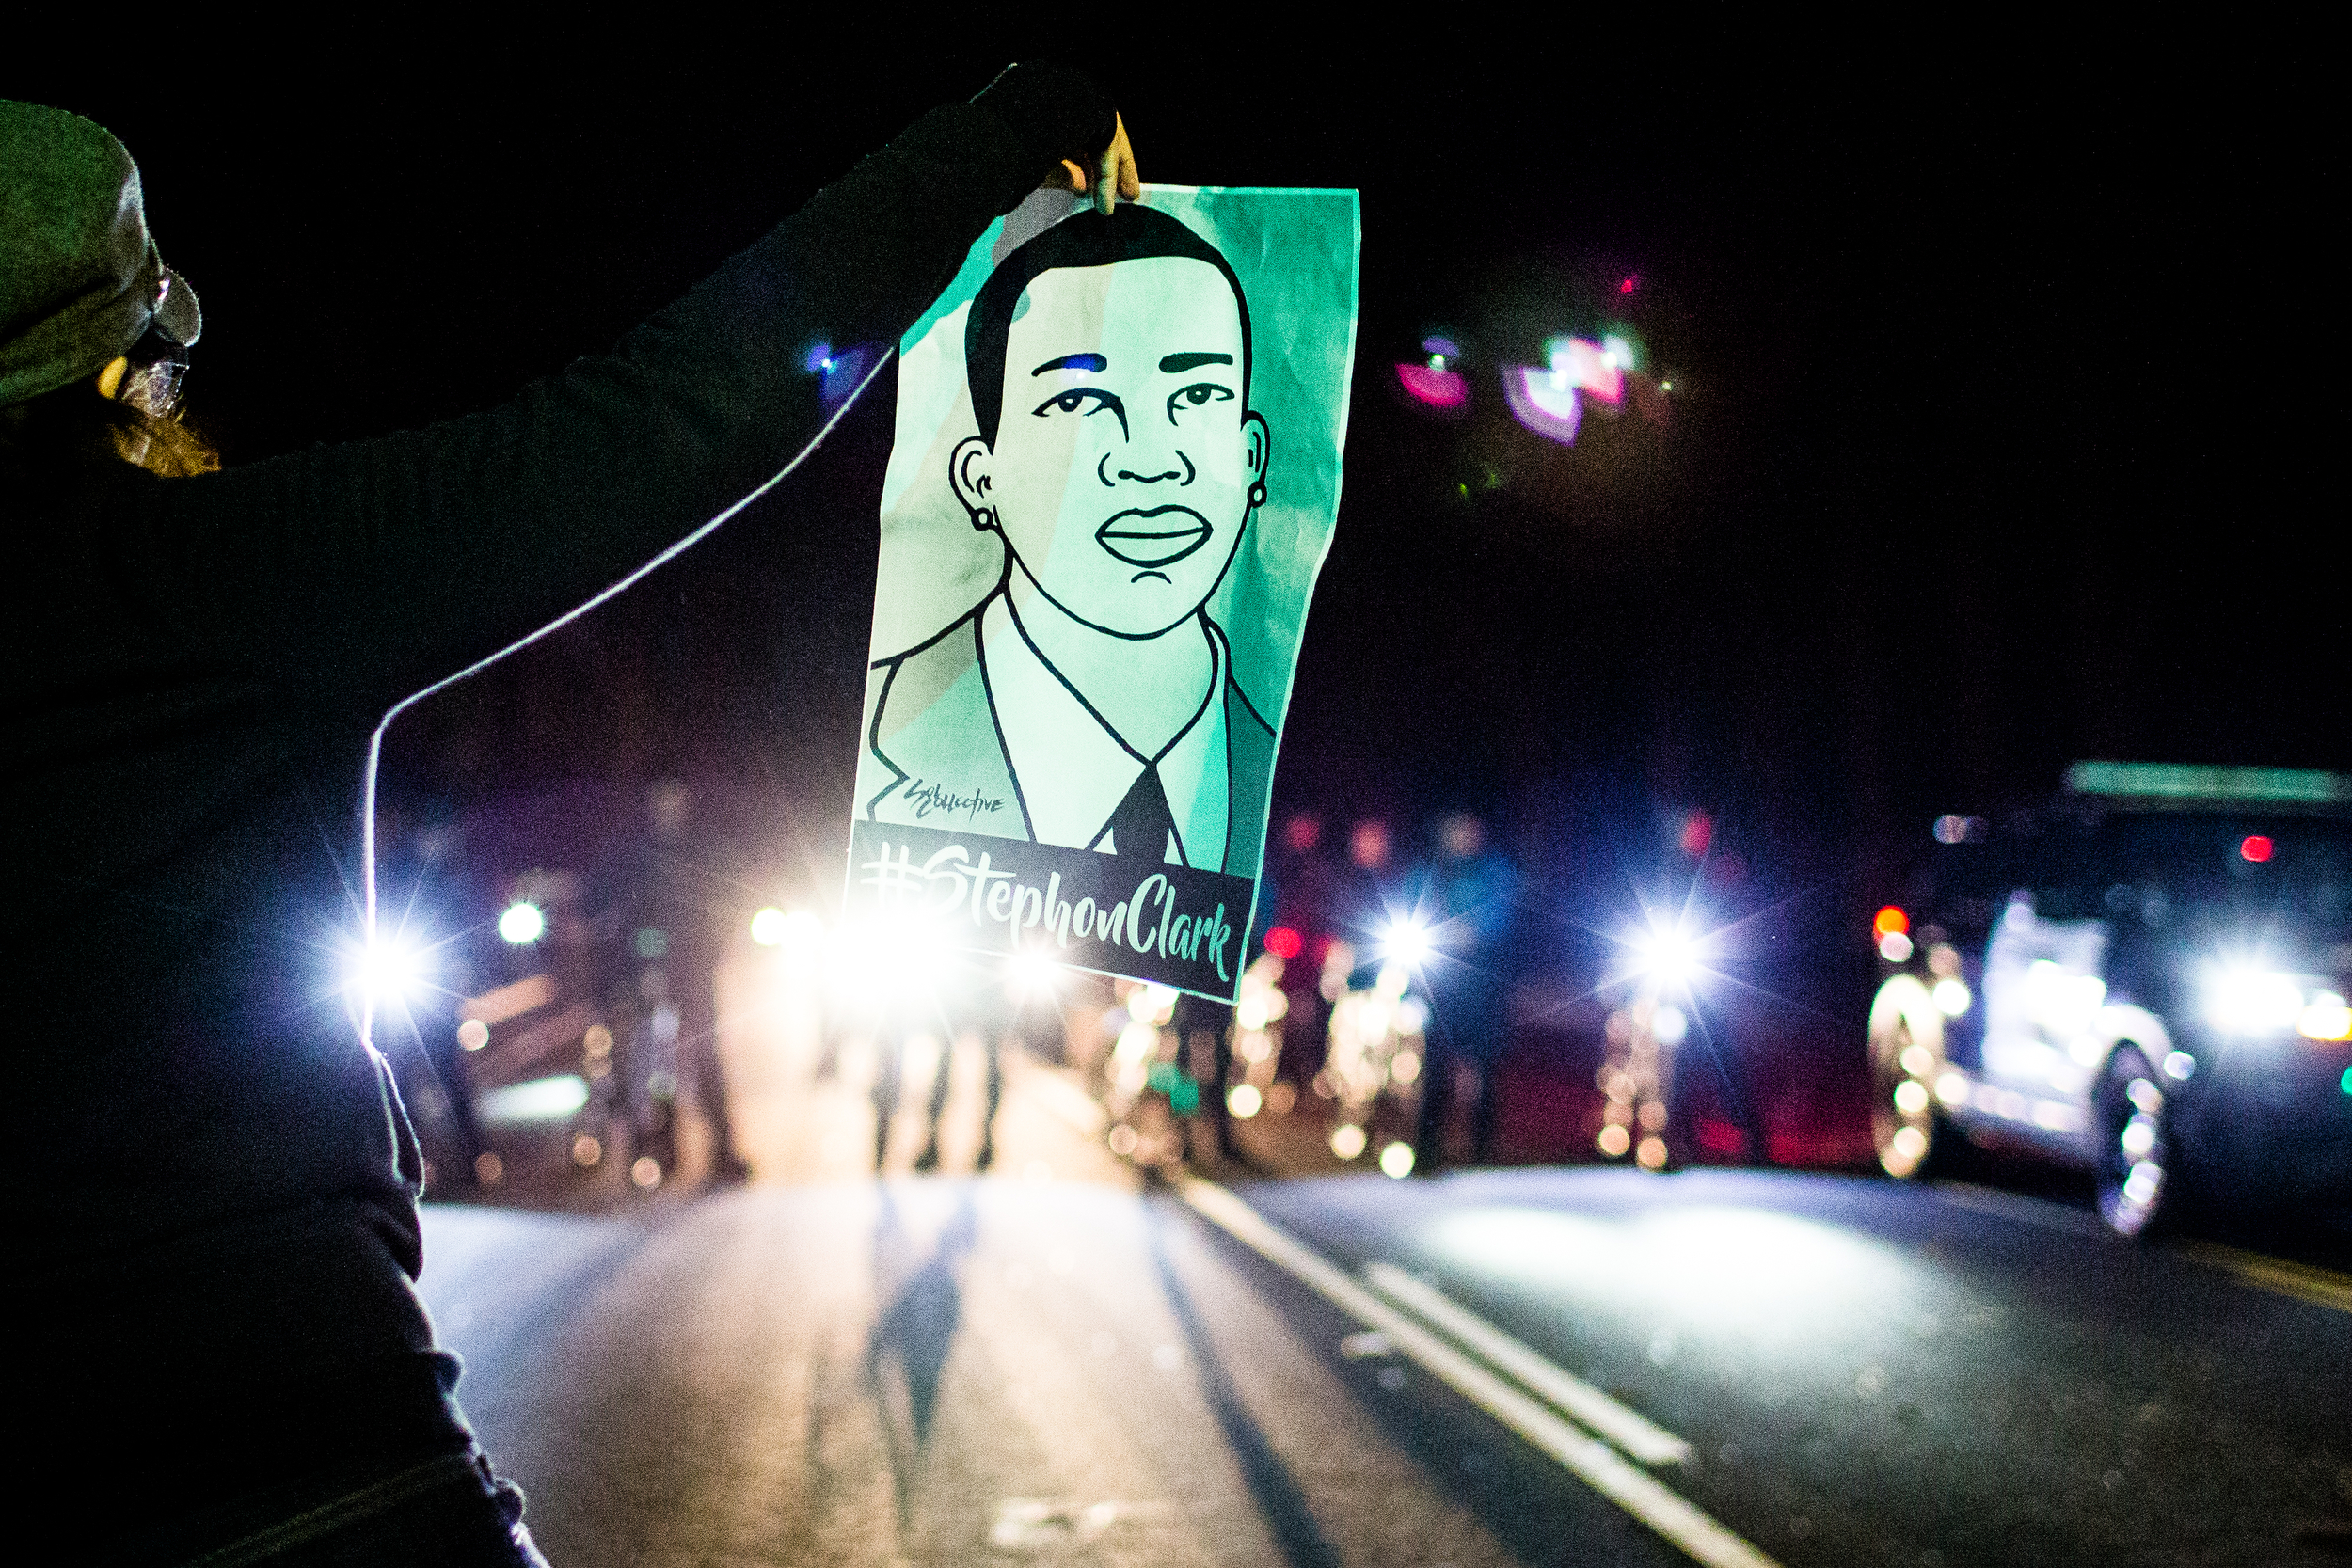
<point x="1114" y="480"/>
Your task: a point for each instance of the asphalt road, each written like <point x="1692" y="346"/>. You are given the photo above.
<point x="1056" y="1362"/>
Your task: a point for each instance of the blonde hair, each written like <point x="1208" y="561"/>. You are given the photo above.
<point x="75" y="427"/>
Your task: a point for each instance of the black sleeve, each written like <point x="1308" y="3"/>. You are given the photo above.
<point x="397" y="560"/>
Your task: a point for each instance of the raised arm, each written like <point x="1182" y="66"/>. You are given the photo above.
<point x="385" y="563"/>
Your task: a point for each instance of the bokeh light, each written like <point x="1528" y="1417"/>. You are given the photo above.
<point x="522" y="923"/>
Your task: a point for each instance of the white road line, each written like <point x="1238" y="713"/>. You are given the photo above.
<point x="1589" y="1459"/>
<point x="1644" y="1439"/>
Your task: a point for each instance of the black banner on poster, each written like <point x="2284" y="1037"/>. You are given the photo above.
<point x="1118" y="915"/>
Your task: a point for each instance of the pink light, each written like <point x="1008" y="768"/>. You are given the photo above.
<point x="2256" y="848"/>
<point x="1542" y="402"/>
<point x="1628" y="285"/>
<point x="1583" y="365"/>
<point x="1698" y="831"/>
<point x="1436" y="387"/>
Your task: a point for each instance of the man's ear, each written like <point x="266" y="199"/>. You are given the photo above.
<point x="1261" y="443"/>
<point x="969" y="470"/>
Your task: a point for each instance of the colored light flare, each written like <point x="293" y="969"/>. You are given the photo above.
<point x="1549" y="410"/>
<point x="1439" y="388"/>
<point x="1433" y="381"/>
<point x="1284" y="943"/>
<point x="1550" y="401"/>
<point x="2256" y="848"/>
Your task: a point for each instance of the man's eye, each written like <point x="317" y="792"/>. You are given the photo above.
<point x="1204" y="393"/>
<point x="1075" y="403"/>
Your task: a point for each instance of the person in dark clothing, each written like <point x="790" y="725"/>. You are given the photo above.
<point x="1204" y="1054"/>
<point x="667" y="935"/>
<point x="1469" y="898"/>
<point x="991" y="1099"/>
<point x="216" y="1186"/>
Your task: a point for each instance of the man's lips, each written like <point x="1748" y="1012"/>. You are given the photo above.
<point x="1160" y="537"/>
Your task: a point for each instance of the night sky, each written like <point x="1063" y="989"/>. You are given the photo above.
<point x="2004" y="417"/>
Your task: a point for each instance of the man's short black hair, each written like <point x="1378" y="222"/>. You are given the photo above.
<point x="1087" y="239"/>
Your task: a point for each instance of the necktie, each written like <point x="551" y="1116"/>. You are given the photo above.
<point x="1142" y="823"/>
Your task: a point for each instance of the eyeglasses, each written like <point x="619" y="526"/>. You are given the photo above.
<point x="158" y="363"/>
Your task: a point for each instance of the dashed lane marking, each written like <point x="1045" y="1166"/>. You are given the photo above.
<point x="1584" y="1456"/>
<point x="1644" y="1439"/>
<point x="2303" y="1281"/>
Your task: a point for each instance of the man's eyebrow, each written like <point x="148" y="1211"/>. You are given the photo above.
<point x="1092" y="362"/>
<point x="1176" y="364"/>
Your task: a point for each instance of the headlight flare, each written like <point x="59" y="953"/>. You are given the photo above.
<point x="1030" y="977"/>
<point x="392" y="968"/>
<point x="1669" y="957"/>
<point x="1408" y="940"/>
<point x="2248" y="999"/>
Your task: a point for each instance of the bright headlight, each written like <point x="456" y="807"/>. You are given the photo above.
<point x="522" y="923"/>
<point x="390" y="969"/>
<point x="1407" y="941"/>
<point x="2253" y="1002"/>
<point x="1668" y="956"/>
<point x="2325" y="1017"/>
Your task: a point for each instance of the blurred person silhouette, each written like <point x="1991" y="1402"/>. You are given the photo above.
<point x="991" y="1098"/>
<point x="670" y="939"/>
<point x="1467" y="898"/>
<point x="217" y="1232"/>
<point x="1204" y="1054"/>
<point x="1308" y="900"/>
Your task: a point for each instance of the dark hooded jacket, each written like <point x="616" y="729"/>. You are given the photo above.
<point x="215" y="1186"/>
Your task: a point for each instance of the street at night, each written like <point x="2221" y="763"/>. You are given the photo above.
<point x="1458" y="793"/>
<point x="1058" y="1361"/>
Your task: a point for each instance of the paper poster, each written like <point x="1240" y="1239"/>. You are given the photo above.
<point x="1115" y="478"/>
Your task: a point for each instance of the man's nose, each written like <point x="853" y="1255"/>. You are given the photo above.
<point x="1179" y="468"/>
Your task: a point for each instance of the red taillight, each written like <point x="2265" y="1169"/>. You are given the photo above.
<point x="1890" y="921"/>
<point x="2256" y="848"/>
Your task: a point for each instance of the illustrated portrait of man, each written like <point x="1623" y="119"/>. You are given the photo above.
<point x="1089" y="700"/>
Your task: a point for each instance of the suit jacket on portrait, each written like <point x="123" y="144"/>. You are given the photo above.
<point x="935" y="753"/>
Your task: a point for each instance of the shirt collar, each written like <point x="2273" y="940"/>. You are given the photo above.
<point x="1071" y="773"/>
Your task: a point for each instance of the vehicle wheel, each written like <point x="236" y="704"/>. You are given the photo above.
<point x="1906" y="1058"/>
<point x="2136" y="1180"/>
